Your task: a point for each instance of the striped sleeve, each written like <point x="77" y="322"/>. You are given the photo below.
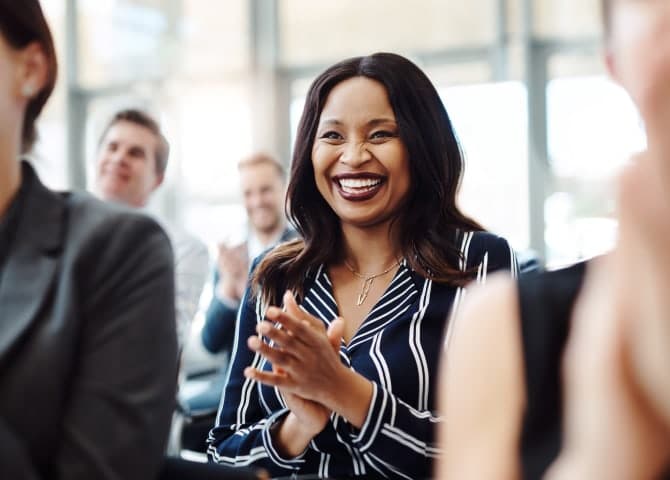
<point x="490" y="253"/>
<point x="397" y="439"/>
<point x="242" y="435"/>
<point x="484" y="253"/>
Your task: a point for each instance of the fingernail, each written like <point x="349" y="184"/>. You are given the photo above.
<point x="254" y="343"/>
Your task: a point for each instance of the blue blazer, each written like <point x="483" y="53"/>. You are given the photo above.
<point x="218" y="333"/>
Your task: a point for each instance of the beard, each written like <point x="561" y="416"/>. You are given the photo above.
<point x="265" y="220"/>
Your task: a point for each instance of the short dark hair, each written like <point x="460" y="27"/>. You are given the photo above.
<point x="22" y="23"/>
<point x="260" y="158"/>
<point x="145" y="120"/>
<point x="430" y="218"/>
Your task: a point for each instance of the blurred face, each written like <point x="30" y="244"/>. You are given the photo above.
<point x="8" y="87"/>
<point x="263" y="193"/>
<point x="639" y="52"/>
<point x="361" y="165"/>
<point x="17" y="70"/>
<point x="126" y="164"/>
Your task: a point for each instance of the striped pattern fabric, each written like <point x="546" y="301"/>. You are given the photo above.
<point x="397" y="347"/>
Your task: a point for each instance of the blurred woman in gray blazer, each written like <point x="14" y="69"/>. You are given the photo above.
<point x="87" y="339"/>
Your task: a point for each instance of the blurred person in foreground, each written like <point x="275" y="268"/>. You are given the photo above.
<point x="88" y="351"/>
<point x="263" y="186"/>
<point x="511" y="415"/>
<point x="131" y="162"/>
<point x="341" y="380"/>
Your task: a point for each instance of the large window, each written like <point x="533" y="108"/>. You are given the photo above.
<point x="566" y="18"/>
<point x="226" y="78"/>
<point x="190" y="66"/>
<point x="593" y="130"/>
<point x="325" y="32"/>
<point x="491" y="124"/>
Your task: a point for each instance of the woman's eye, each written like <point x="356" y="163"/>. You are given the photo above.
<point x="382" y="134"/>
<point x="331" y="136"/>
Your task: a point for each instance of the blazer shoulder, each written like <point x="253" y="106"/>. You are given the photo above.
<point x="93" y="220"/>
<point x="105" y="236"/>
<point x="488" y="241"/>
<point x="496" y="250"/>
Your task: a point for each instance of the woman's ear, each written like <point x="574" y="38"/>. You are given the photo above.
<point x="33" y="70"/>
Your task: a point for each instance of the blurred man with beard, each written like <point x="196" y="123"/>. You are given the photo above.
<point x="263" y="185"/>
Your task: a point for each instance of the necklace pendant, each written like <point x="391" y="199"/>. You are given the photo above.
<point x="361" y="299"/>
<point x="367" y="283"/>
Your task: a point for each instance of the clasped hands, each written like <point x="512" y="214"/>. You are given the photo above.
<point x="306" y="366"/>
<point x="233" y="266"/>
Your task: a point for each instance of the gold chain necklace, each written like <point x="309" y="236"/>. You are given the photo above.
<point x="367" y="280"/>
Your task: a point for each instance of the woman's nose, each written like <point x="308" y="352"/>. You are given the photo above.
<point x="355" y="154"/>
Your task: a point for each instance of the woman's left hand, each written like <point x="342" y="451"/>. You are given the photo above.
<point x="302" y="354"/>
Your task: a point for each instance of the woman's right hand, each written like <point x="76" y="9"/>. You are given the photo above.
<point x="305" y="420"/>
<point x="308" y="414"/>
<point x="308" y="417"/>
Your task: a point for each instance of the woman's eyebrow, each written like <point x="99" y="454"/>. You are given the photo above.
<point x="373" y="122"/>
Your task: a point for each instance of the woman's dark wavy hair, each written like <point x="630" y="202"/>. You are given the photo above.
<point x="21" y="23"/>
<point x="429" y="219"/>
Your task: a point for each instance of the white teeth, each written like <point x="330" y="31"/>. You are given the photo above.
<point x="353" y="183"/>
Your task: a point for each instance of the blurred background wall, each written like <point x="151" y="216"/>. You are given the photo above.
<point x="542" y="128"/>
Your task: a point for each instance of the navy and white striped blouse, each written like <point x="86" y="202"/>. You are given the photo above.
<point x="397" y="347"/>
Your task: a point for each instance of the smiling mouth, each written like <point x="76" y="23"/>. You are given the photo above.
<point x="359" y="188"/>
<point x="115" y="174"/>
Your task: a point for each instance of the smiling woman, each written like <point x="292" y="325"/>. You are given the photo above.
<point x="340" y="381"/>
<point x="357" y="126"/>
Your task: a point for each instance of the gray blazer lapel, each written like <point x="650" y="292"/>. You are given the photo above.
<point x="30" y="269"/>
